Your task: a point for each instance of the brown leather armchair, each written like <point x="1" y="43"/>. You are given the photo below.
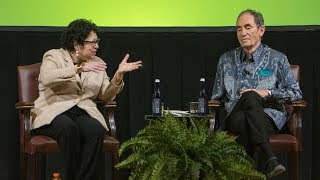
<point x="32" y="146"/>
<point x="291" y="139"/>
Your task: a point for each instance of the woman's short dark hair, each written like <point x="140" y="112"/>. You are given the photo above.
<point x="258" y="18"/>
<point x="77" y="31"/>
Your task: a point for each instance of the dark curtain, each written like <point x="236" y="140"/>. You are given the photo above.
<point x="178" y="58"/>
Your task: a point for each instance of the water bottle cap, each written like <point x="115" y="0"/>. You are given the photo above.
<point x="157" y="80"/>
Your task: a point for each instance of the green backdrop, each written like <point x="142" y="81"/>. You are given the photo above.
<point x="155" y="13"/>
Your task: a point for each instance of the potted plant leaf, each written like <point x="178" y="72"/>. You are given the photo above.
<point x="183" y="149"/>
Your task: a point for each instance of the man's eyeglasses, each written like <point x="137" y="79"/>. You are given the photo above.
<point x="93" y="43"/>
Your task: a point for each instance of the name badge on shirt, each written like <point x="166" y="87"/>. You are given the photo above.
<point x="265" y="72"/>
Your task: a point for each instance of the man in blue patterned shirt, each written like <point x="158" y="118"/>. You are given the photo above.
<point x="252" y="80"/>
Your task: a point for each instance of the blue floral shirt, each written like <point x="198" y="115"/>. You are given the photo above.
<point x="268" y="69"/>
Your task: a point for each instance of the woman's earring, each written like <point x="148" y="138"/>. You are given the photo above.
<point x="77" y="53"/>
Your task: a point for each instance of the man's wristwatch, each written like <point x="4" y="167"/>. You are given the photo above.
<point x="269" y="92"/>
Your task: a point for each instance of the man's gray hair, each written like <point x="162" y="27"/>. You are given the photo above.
<point x="258" y="18"/>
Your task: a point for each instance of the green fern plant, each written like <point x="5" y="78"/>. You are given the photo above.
<point x="175" y="149"/>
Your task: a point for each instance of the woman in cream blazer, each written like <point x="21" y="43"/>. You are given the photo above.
<point x="71" y="79"/>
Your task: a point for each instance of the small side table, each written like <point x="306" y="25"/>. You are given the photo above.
<point x="194" y="116"/>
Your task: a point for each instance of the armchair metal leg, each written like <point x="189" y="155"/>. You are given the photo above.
<point x="23" y="160"/>
<point x="295" y="164"/>
<point x="33" y="168"/>
<point x="115" y="161"/>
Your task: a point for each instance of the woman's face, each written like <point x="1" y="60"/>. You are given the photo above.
<point x="89" y="49"/>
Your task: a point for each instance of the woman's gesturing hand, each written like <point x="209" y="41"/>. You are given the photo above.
<point x="124" y="66"/>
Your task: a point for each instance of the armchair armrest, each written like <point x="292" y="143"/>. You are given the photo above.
<point x="299" y="103"/>
<point x="294" y="119"/>
<point x="25" y="124"/>
<point x="24" y="105"/>
<point x="293" y="109"/>
<point x="213" y="106"/>
<point x="214" y="103"/>
<point x="107" y="110"/>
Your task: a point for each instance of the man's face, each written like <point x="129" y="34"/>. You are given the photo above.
<point x="248" y="33"/>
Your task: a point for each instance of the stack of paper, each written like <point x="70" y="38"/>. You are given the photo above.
<point x="177" y="112"/>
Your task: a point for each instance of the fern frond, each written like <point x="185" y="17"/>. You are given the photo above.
<point x="175" y="149"/>
<point x="129" y="160"/>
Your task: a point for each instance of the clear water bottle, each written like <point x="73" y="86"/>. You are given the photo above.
<point x="156" y="99"/>
<point x="56" y="176"/>
<point x="202" y="101"/>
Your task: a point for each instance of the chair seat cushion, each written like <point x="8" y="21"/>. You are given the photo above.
<point x="110" y="144"/>
<point x="41" y="143"/>
<point x="283" y="142"/>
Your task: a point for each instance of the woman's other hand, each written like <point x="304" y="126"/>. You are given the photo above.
<point x="94" y="66"/>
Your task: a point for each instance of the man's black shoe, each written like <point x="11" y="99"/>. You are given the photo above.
<point x="274" y="168"/>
